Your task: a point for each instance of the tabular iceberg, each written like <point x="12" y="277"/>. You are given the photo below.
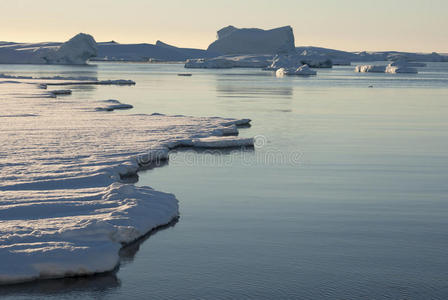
<point x="232" y="40"/>
<point x="76" y="51"/>
<point x="301" y="71"/>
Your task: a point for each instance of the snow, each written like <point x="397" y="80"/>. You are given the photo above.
<point x="65" y="208"/>
<point x="76" y="51"/>
<point x="232" y="40"/>
<point x="301" y="71"/>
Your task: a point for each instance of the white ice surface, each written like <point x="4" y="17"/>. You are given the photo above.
<point x="64" y="210"/>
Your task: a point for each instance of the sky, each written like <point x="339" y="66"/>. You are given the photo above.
<point x="353" y="25"/>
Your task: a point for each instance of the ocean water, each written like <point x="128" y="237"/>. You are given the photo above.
<point x="345" y="195"/>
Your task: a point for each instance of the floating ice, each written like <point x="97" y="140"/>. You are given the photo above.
<point x="76" y="51"/>
<point x="64" y="208"/>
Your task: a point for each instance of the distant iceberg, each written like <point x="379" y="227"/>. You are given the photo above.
<point x="289" y="61"/>
<point x="392" y="68"/>
<point x="76" y="51"/>
<point x="232" y="40"/>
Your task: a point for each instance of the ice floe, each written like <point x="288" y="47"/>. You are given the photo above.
<point x="113" y="104"/>
<point x="65" y="209"/>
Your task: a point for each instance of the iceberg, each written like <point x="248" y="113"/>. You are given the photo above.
<point x="392" y="68"/>
<point x="232" y="40"/>
<point x="301" y="71"/>
<point x="76" y="51"/>
<point x="230" y="61"/>
<point x="66" y="207"/>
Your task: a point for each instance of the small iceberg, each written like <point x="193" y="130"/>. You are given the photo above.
<point x="112" y="105"/>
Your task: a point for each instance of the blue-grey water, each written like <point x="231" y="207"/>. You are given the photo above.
<point x="344" y="197"/>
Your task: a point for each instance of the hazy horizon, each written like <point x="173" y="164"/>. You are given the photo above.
<point x="349" y="25"/>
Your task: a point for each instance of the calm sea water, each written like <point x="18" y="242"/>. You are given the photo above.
<point x="344" y="197"/>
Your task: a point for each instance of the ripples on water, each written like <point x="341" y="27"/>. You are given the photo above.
<point x="361" y="215"/>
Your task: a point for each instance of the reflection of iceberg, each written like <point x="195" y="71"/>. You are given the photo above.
<point x="235" y="90"/>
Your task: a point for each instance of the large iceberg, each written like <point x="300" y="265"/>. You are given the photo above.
<point x="76" y="51"/>
<point x="232" y="40"/>
<point x="66" y="208"/>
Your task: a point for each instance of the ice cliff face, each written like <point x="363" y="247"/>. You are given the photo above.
<point x="232" y="40"/>
<point x="76" y="51"/>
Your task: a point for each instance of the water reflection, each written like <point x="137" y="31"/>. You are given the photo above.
<point x="258" y="88"/>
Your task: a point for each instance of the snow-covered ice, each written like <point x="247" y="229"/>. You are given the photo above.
<point x="64" y="208"/>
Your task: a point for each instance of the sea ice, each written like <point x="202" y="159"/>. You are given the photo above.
<point x="65" y="209"/>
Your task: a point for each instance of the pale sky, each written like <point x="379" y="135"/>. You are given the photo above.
<point x="406" y="25"/>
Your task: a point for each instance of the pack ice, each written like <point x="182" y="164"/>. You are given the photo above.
<point x="65" y="209"/>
